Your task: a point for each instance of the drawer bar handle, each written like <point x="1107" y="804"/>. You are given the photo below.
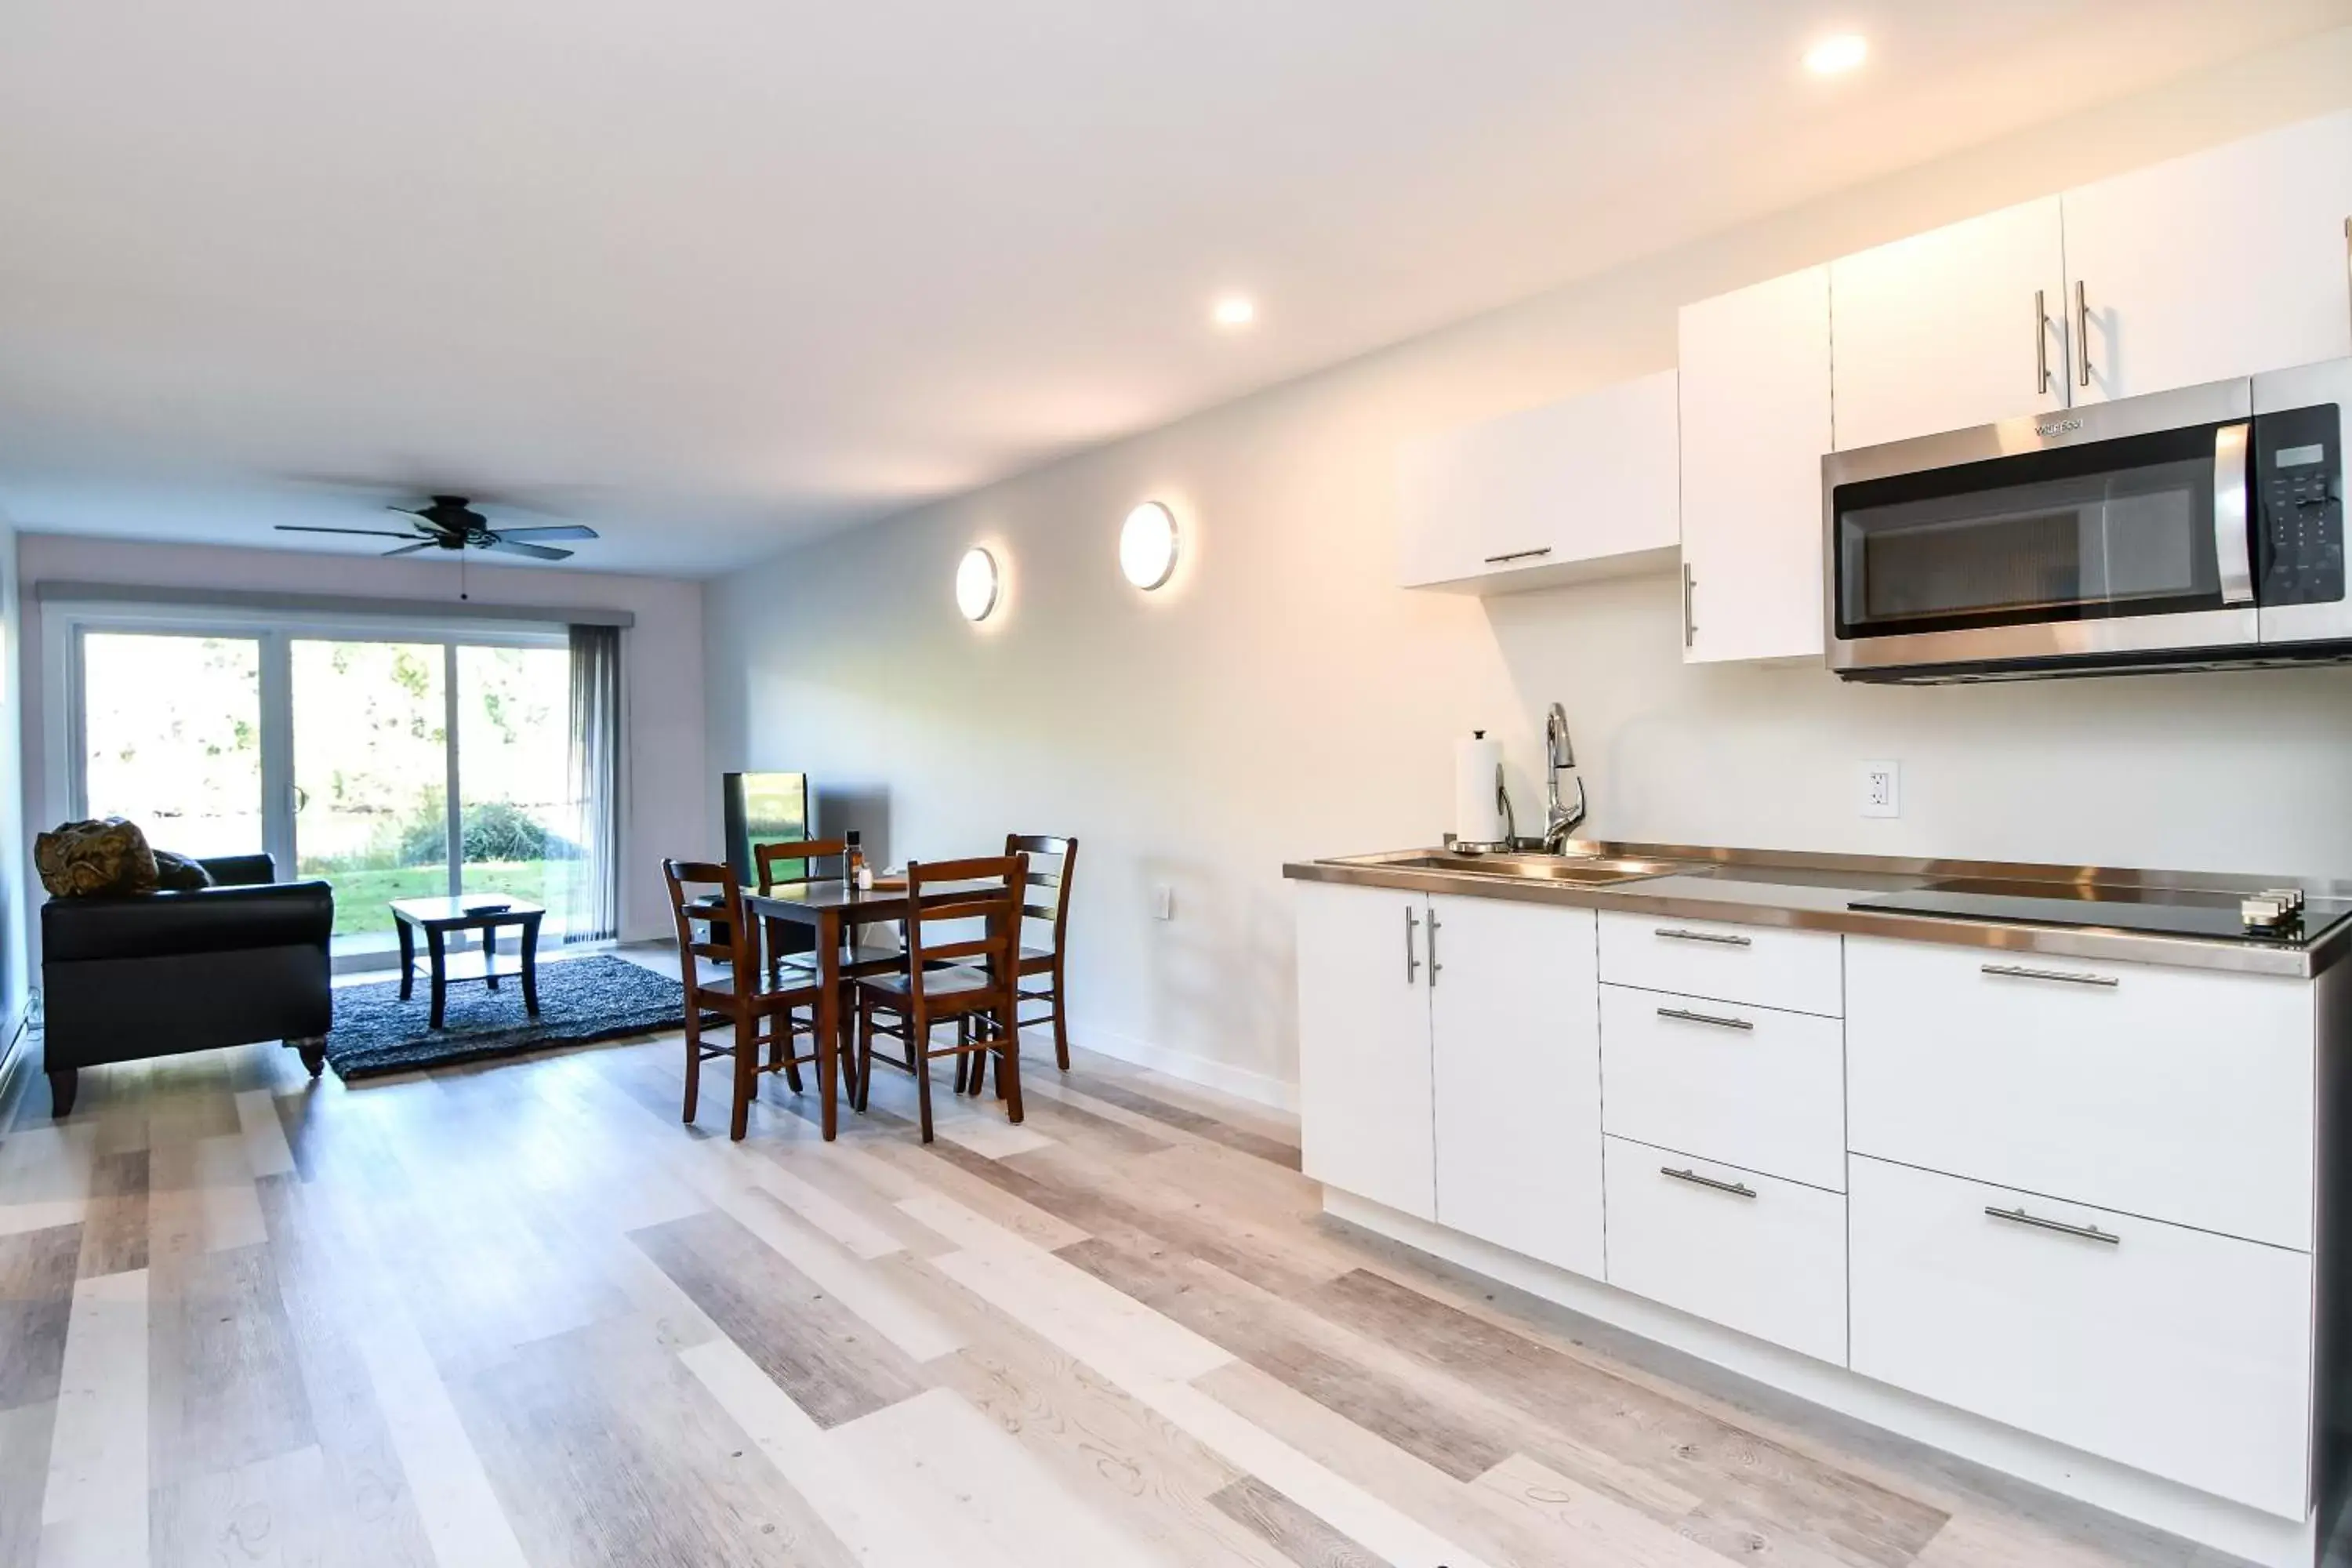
<point x="2019" y="972"/>
<point x="2087" y="1232"/>
<point x="1510" y="556"/>
<point x="1690" y="1018"/>
<point x="1676" y="933"/>
<point x="1736" y="1189"/>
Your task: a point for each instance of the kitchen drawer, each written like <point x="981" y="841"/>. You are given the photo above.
<point x="2176" y="1352"/>
<point x="1797" y="971"/>
<point x="1753" y="1086"/>
<point x="1765" y="1256"/>
<point x="2183" y="1095"/>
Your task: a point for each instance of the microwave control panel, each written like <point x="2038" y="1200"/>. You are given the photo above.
<point x="2298" y="484"/>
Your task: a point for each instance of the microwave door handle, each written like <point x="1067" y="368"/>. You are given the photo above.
<point x="2231" y="548"/>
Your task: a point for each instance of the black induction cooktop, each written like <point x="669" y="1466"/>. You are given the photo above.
<point x="2209" y="917"/>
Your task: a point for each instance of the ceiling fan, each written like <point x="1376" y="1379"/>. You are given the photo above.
<point x="452" y="523"/>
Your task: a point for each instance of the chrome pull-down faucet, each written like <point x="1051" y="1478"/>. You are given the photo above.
<point x="1561" y="821"/>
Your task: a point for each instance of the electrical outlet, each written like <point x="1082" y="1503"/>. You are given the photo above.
<point x="1163" y="902"/>
<point x="1882" y="789"/>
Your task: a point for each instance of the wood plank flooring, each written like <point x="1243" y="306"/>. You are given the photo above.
<point x="517" y="1314"/>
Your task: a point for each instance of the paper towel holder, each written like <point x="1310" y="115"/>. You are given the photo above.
<point x="1510" y="838"/>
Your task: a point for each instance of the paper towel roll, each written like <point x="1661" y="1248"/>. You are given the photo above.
<point x="1477" y="763"/>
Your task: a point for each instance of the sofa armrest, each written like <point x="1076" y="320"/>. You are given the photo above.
<point x="239" y="870"/>
<point x="202" y="920"/>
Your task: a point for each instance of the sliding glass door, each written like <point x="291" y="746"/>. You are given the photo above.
<point x="392" y="766"/>
<point x="172" y="737"/>
<point x="371" y="775"/>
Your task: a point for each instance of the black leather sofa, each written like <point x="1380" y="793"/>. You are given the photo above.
<point x="155" y="974"/>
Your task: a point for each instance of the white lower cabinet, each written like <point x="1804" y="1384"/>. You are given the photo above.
<point x="1761" y="1089"/>
<point x="1746" y="1251"/>
<point x="2180" y="1352"/>
<point x="1518" y="1054"/>
<point x="1364" y="1096"/>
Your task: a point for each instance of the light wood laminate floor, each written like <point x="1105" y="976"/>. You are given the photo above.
<point x="518" y="1314"/>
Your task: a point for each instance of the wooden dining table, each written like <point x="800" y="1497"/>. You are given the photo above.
<point x="832" y="910"/>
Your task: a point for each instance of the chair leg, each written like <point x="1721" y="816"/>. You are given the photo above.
<point x="919" y="1037"/>
<point x="1008" y="1074"/>
<point x="864" y="1052"/>
<point x="693" y="1057"/>
<point x="747" y="1070"/>
<point x="785" y="1048"/>
<point x="1061" y="1035"/>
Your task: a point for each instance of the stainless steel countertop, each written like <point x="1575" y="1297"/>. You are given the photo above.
<point x="1813" y="892"/>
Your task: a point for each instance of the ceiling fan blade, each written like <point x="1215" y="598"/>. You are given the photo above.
<point x="371" y="533"/>
<point x="536" y="551"/>
<point x="574" y="531"/>
<point x="411" y="549"/>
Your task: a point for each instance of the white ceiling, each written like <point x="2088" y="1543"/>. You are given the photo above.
<point x="716" y="274"/>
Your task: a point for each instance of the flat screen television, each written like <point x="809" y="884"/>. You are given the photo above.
<point x="762" y="808"/>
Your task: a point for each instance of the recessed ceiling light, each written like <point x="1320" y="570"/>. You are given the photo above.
<point x="1836" y="56"/>
<point x="1234" y="311"/>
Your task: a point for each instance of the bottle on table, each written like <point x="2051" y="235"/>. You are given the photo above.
<point x="853" y="861"/>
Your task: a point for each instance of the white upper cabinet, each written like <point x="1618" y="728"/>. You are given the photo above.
<point x="2227" y="263"/>
<point x="1958" y="326"/>
<point x="1755" y="426"/>
<point x="1567" y="491"/>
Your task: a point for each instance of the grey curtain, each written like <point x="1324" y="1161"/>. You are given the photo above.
<point x="594" y="912"/>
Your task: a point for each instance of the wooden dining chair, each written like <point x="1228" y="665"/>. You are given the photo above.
<point x="703" y="893"/>
<point x="1052" y="862"/>
<point x="793" y="863"/>
<point x="952" y="977"/>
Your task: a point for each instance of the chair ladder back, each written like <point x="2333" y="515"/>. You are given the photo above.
<point x="1003" y="878"/>
<point x="1065" y="858"/>
<point x="686" y="880"/>
<point x="767" y="857"/>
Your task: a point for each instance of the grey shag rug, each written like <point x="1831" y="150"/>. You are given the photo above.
<point x="579" y="1000"/>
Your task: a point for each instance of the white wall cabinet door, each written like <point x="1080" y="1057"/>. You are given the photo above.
<point x="1517" y="1037"/>
<point x="1755" y="425"/>
<point x="1364" y="1098"/>
<point x="1958" y="326"/>
<point x="1584" y="488"/>
<point x="2226" y="263"/>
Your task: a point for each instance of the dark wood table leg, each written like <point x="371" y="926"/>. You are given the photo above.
<point x="489" y="935"/>
<point x="828" y="1016"/>
<point x="407" y="957"/>
<point x="435" y="951"/>
<point x="530" y="965"/>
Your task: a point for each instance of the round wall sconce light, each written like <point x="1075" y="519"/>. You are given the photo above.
<point x="975" y="586"/>
<point x="1146" y="545"/>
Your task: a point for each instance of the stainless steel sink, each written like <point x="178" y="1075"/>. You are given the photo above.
<point x="1591" y="871"/>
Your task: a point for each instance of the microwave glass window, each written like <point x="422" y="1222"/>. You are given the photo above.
<point x="2120" y="528"/>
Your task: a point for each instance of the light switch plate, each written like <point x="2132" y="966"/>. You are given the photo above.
<point x="1882" y="789"/>
<point x="1163" y="901"/>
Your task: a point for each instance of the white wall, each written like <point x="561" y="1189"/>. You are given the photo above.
<point x="669" y="801"/>
<point x="1283" y="700"/>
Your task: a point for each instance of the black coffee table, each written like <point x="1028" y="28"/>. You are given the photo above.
<point x="437" y="918"/>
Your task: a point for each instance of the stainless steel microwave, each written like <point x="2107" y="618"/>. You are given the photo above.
<point x="2182" y="529"/>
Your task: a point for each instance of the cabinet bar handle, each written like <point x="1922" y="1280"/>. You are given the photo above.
<point x="2086" y="1232"/>
<point x="1433" y="965"/>
<point x="1676" y="933"/>
<point x="1690" y="1018"/>
<point x="2041" y="342"/>
<point x="2019" y="972"/>
<point x="1510" y="556"/>
<point x="1412" y="954"/>
<point x="2082" y="334"/>
<point x="1690" y="626"/>
<point x="1736" y="1189"/>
